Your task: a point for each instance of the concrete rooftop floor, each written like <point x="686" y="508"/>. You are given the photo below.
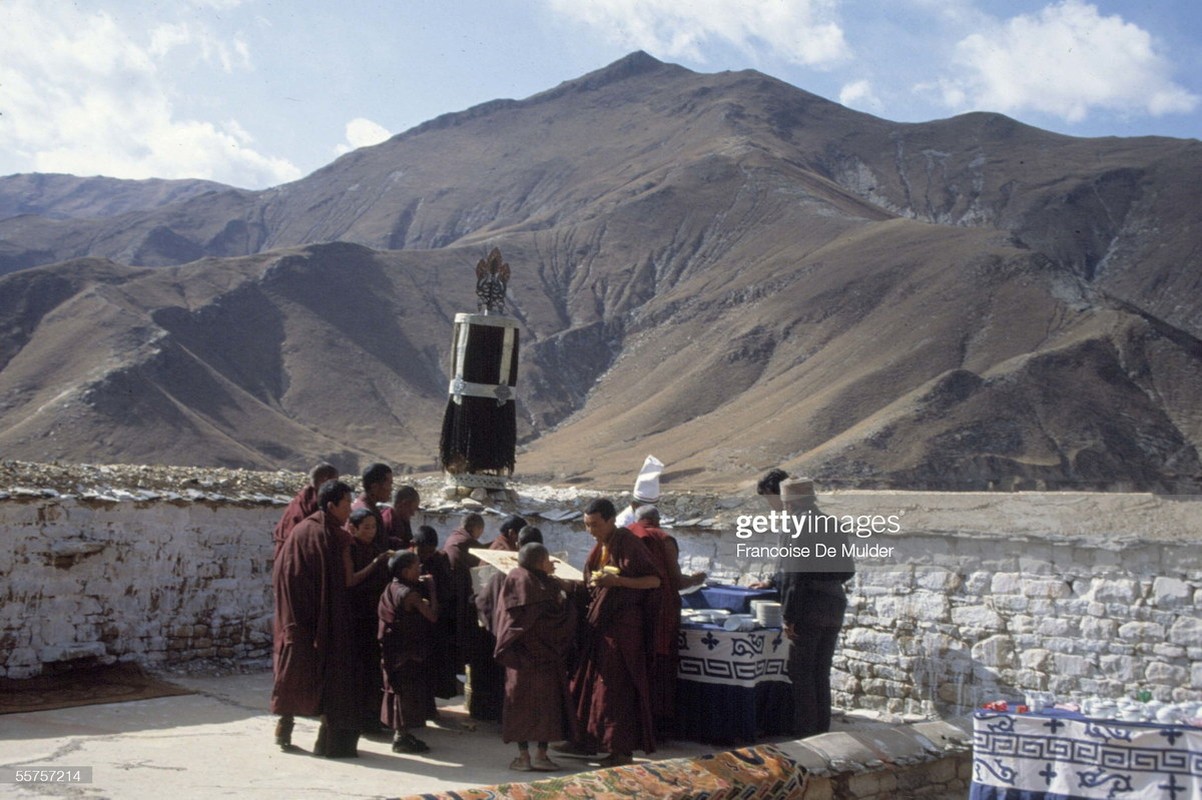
<point x="219" y="743"/>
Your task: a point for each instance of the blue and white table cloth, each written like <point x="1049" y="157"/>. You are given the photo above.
<point x="1064" y="756"/>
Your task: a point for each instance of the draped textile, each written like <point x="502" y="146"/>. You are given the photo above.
<point x="535" y="626"/>
<point x="299" y="507"/>
<point x="406" y="644"/>
<point x="610" y="687"/>
<point x="312" y="650"/>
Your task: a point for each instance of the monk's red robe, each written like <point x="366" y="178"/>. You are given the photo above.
<point x="406" y="638"/>
<point x="312" y="626"/>
<point x="503" y="542"/>
<point x="535" y="627"/>
<point x="474" y="644"/>
<point x="458" y="547"/>
<point x="665" y="661"/>
<point x="610" y="688"/>
<point x="301" y="506"/>
<point x="398" y="532"/>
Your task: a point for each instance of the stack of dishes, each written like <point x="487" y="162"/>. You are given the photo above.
<point x="739" y="622"/>
<point x="767" y="613"/>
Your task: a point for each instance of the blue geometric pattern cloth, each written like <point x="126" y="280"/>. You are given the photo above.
<point x="733" y="658"/>
<point x="1063" y="756"/>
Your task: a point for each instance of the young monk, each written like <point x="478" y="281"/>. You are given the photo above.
<point x="408" y="610"/>
<point x="366" y="569"/>
<point x="535" y="628"/>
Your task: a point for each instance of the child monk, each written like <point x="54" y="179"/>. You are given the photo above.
<point x="535" y="627"/>
<point x="408" y="610"/>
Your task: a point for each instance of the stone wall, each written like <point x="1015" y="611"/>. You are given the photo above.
<point x="984" y="595"/>
<point x="151" y="582"/>
<point x="991" y="595"/>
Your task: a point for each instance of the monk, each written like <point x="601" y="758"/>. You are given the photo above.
<point x="377" y="489"/>
<point x="398" y="518"/>
<point x="436" y="564"/>
<point x="610" y="687"/>
<point x="303" y="504"/>
<point x="366" y="570"/>
<point x="508" y="538"/>
<point x="535" y="627"/>
<point x="486" y="598"/>
<point x="474" y="645"/>
<point x="314" y="668"/>
<point x="408" y="610"/>
<point x="665" y="656"/>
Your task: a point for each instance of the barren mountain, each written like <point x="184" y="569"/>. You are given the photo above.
<point x="722" y="270"/>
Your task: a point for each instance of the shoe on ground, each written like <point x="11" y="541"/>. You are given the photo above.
<point x="616" y="760"/>
<point x="409" y="744"/>
<point x="574" y="749"/>
<point x="521" y="764"/>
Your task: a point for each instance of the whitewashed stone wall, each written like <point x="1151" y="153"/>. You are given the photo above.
<point x="988" y="596"/>
<point x="150" y="582"/>
<point x="985" y="595"/>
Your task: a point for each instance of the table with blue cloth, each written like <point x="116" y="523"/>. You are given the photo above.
<point x="1062" y="755"/>
<point x="732" y="686"/>
<point x="735" y="599"/>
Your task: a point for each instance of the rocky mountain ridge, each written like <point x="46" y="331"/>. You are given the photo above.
<point x="721" y="269"/>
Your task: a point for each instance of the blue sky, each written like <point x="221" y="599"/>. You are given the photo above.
<point x="254" y="93"/>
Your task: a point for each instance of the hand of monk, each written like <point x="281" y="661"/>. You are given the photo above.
<point x="790" y="634"/>
<point x="605" y="579"/>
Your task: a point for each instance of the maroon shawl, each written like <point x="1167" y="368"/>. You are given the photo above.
<point x="301" y="506"/>
<point x="311" y="615"/>
<point x="611" y="687"/>
<point x="667" y="611"/>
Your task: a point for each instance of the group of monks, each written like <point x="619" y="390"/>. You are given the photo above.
<point x="373" y="622"/>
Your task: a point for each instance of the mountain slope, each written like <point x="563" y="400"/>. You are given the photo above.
<point x="721" y="269"/>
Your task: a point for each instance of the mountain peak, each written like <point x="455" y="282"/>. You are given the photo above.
<point x="634" y="65"/>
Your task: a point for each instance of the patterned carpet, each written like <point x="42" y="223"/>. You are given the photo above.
<point x="752" y="773"/>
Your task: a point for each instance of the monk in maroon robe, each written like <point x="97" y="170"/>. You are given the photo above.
<point x="443" y="668"/>
<point x="366" y="569"/>
<point x="302" y="505"/>
<point x="312" y="627"/>
<point x="408" y="610"/>
<point x="535" y="627"/>
<point x="474" y="645"/>
<point x="377" y="489"/>
<point x="398" y="518"/>
<point x="666" y="655"/>
<point x="508" y="538"/>
<point x="610" y="687"/>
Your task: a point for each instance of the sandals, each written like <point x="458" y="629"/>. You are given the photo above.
<point x="543" y="764"/>
<point x="521" y="765"/>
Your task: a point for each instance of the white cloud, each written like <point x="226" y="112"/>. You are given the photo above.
<point x="362" y="132"/>
<point x="801" y="31"/>
<point x="81" y="95"/>
<point x="860" y="95"/>
<point x="1066" y="61"/>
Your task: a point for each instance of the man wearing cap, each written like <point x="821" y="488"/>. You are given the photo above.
<point x="812" y="604"/>
<point x="646" y="490"/>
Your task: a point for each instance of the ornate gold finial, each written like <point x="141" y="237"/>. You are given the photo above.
<point x="492" y="278"/>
